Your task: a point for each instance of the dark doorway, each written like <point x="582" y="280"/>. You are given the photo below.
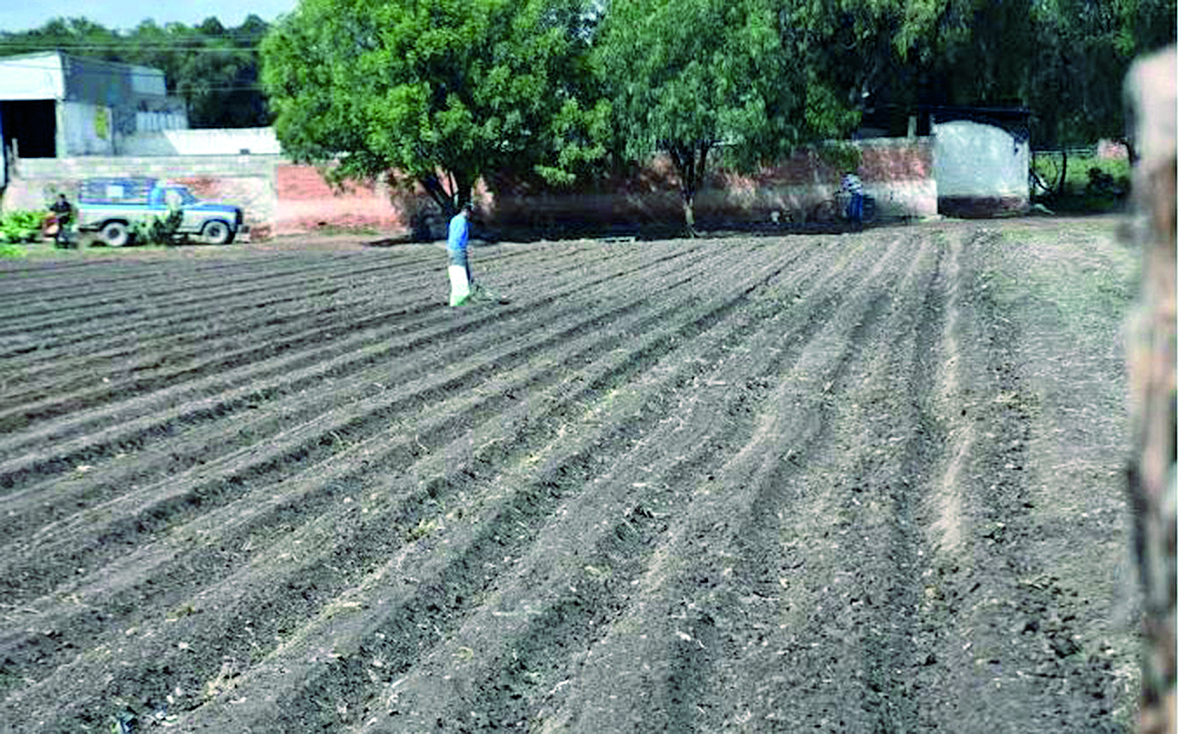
<point x="33" y="125"/>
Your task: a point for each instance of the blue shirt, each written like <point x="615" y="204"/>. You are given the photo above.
<point x="457" y="233"/>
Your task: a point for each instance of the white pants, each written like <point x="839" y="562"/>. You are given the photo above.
<point x="460" y="287"/>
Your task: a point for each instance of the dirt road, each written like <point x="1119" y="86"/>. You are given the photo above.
<point x="844" y="483"/>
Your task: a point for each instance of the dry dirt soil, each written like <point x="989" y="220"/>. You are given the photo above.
<point x="864" y="482"/>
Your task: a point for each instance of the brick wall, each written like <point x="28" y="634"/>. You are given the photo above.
<point x="305" y="201"/>
<point x="898" y="173"/>
<point x="247" y="181"/>
<point x="280" y="197"/>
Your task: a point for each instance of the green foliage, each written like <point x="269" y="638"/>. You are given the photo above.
<point x="1090" y="184"/>
<point x="1078" y="167"/>
<point x="11" y="251"/>
<point x="839" y="155"/>
<point x="21" y="226"/>
<point x="157" y="230"/>
<point x="1064" y="59"/>
<point x="436" y="92"/>
<point x="695" y="77"/>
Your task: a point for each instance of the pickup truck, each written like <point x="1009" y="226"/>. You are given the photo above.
<point x="112" y="206"/>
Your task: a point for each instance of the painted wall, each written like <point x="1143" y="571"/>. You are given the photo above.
<point x="280" y="197"/>
<point x="244" y="180"/>
<point x="898" y="173"/>
<point x="981" y="169"/>
<point x="304" y="202"/>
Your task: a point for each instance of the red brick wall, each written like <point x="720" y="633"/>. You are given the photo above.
<point x="280" y="197"/>
<point x="898" y="173"/>
<point x="305" y="201"/>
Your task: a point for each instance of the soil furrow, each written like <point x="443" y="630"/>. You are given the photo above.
<point x="987" y="580"/>
<point x="113" y="312"/>
<point x="866" y="482"/>
<point x="564" y="473"/>
<point x="506" y="530"/>
<point x="205" y="343"/>
<point x="701" y="580"/>
<point x="259" y="469"/>
<point x="577" y="579"/>
<point x="288" y="383"/>
<point x="857" y="643"/>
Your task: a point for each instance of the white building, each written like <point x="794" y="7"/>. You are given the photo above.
<point x="53" y="105"/>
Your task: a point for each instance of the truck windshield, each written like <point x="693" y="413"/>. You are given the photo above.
<point x="180" y="195"/>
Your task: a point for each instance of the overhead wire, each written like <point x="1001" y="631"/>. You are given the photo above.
<point x="173" y="47"/>
<point x="154" y="74"/>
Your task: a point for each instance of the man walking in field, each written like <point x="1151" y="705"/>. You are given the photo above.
<point x="458" y="268"/>
<point x="463" y="287"/>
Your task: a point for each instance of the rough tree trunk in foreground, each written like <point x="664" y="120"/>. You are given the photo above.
<point x="1152" y="487"/>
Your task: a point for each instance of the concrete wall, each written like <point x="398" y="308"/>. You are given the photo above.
<point x="164" y="142"/>
<point x="897" y="172"/>
<point x="280" y="197"/>
<point x="244" y="180"/>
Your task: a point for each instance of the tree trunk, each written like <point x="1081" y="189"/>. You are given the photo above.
<point x="1130" y="147"/>
<point x="1152" y="488"/>
<point x="449" y="195"/>
<point x="1061" y="187"/>
<point x="690" y="161"/>
<point x="687" y="204"/>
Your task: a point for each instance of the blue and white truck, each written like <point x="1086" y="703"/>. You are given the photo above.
<point x="112" y="207"/>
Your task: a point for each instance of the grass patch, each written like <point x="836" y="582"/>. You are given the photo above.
<point x="1093" y="185"/>
<point x="424" y="528"/>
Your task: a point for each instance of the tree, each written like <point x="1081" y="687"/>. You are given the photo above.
<point x="694" y="78"/>
<point x="1064" y="59"/>
<point x="438" y="92"/>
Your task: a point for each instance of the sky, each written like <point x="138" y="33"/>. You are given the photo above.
<point x="124" y="15"/>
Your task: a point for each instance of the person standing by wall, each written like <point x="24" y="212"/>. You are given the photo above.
<point x="852" y="184"/>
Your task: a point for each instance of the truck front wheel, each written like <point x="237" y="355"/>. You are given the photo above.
<point x="218" y="233"/>
<point x="115" y="234"/>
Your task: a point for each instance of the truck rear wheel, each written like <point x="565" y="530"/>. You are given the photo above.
<point x="115" y="234"/>
<point x="218" y="233"/>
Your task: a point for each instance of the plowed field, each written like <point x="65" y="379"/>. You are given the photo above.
<point x="839" y="483"/>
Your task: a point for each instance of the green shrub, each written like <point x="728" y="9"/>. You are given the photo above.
<point x="20" y="226"/>
<point x="11" y="251"/>
<point x="1048" y="165"/>
<point x="157" y="230"/>
<point x="1093" y="184"/>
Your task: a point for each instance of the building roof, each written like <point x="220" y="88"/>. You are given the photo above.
<point x="58" y="75"/>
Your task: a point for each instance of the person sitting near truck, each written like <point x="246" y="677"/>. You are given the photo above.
<point x="63" y="215"/>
